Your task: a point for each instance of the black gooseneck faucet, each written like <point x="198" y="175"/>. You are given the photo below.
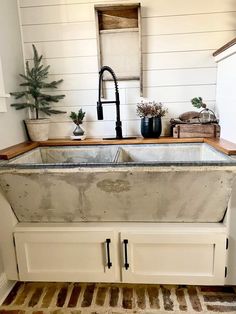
<point x="117" y="101"/>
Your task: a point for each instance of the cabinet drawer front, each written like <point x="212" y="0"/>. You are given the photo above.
<point x="173" y="258"/>
<point x="65" y="256"/>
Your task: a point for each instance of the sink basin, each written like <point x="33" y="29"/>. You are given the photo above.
<point x="167" y="153"/>
<point x="67" y="155"/>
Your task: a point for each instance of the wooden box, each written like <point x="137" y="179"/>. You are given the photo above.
<point x="196" y="130"/>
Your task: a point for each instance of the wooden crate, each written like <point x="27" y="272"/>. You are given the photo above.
<point x="196" y="130"/>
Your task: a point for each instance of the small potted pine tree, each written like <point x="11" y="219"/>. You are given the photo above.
<point x="36" y="99"/>
<point x="77" y="118"/>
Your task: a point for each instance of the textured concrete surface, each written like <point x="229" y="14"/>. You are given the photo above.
<point x="59" y="298"/>
<point x="145" y="194"/>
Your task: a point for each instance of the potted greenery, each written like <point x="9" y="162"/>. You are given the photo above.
<point x="150" y="113"/>
<point x="35" y="98"/>
<point x="77" y="118"/>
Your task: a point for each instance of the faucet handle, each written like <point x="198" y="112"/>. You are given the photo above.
<point x="99" y="111"/>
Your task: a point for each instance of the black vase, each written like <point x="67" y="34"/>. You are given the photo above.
<point x="151" y="127"/>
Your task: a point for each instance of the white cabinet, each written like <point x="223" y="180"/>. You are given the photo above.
<point x="66" y="256"/>
<point x="158" y="253"/>
<point x="173" y="258"/>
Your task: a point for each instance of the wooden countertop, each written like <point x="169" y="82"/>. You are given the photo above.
<point x="222" y="145"/>
<point x="13" y="151"/>
<point x="138" y="140"/>
<point x="16" y="150"/>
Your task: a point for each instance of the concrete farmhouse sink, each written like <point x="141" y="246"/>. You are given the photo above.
<point x="142" y="183"/>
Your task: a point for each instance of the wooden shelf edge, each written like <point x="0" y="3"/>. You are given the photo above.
<point x="17" y="149"/>
<point x="116" y="6"/>
<point x="222" y="145"/>
<point x="138" y="140"/>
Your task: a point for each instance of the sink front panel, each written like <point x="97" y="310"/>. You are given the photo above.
<point x="141" y="194"/>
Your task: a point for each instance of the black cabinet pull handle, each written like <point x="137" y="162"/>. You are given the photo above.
<point x="126" y="254"/>
<point x="109" y="263"/>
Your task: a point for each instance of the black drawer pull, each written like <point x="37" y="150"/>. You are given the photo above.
<point x="126" y="254"/>
<point x="109" y="263"/>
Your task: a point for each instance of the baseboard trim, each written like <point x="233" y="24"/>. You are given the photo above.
<point x="5" y="287"/>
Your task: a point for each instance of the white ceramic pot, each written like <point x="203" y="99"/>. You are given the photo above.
<point x="38" y="129"/>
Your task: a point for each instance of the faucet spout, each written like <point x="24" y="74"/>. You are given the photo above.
<point x="118" y="127"/>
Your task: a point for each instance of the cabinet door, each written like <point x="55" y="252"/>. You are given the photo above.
<point x="173" y="258"/>
<point x="66" y="256"/>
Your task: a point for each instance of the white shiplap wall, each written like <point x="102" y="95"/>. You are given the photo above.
<point x="178" y="38"/>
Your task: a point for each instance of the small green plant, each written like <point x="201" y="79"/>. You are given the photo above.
<point x="34" y="96"/>
<point x="197" y="102"/>
<point x="150" y="109"/>
<point x="77" y="118"/>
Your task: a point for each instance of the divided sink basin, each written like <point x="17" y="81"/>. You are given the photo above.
<point x="120" y="155"/>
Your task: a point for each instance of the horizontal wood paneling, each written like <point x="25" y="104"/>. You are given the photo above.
<point x="38" y="3"/>
<point x="178" y="60"/>
<point x="186" y="42"/>
<point x="189" y="23"/>
<point x="151" y="78"/>
<point x="78" y="97"/>
<point x="171" y="94"/>
<point x="150" y="26"/>
<point x="72" y="65"/>
<point x="76" y="81"/>
<point x="179" y="77"/>
<point x="64" y="49"/>
<point x="180" y="93"/>
<point x="153" y="7"/>
<point x="57" y="14"/>
<point x="181" y="7"/>
<point x="178" y="38"/>
<point x="54" y="32"/>
<point x="88" y="96"/>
